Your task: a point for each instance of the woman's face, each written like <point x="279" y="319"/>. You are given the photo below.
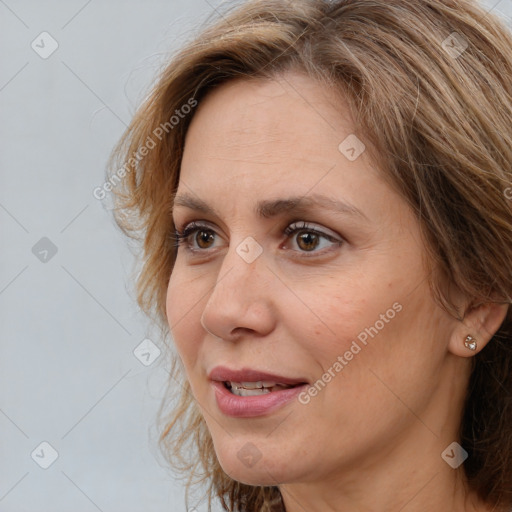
<point x="333" y="296"/>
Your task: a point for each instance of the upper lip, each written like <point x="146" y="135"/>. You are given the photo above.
<point x="224" y="374"/>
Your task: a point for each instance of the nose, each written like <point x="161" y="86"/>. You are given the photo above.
<point x="240" y="302"/>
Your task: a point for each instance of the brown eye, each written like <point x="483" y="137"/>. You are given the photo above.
<point x="307" y="240"/>
<point x="195" y="238"/>
<point x="203" y="238"/>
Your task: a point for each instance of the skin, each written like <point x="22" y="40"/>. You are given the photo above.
<point x="372" y="439"/>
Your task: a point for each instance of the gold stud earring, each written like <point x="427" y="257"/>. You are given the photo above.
<point x="470" y="342"/>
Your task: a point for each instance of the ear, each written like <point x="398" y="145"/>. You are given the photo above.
<point x="481" y="323"/>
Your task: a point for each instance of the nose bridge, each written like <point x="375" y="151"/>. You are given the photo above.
<point x="240" y="273"/>
<point x="241" y="295"/>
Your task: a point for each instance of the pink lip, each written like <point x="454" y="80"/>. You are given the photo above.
<point x="251" y="406"/>
<point x="224" y="374"/>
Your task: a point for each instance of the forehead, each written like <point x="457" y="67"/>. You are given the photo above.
<point x="289" y="127"/>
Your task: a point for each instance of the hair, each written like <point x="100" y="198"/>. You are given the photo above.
<point x="440" y="125"/>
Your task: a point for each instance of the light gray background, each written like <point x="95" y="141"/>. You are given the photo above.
<point x="68" y="374"/>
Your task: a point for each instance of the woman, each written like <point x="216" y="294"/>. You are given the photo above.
<point x="321" y="188"/>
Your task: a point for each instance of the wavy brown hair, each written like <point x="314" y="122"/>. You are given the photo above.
<point x="429" y="85"/>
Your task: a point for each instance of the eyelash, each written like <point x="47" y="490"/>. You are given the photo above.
<point x="182" y="238"/>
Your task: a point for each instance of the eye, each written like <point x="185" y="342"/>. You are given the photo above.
<point x="309" y="239"/>
<point x="203" y="236"/>
<point x="197" y="237"/>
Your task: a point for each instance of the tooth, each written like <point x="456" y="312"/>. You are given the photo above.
<point x="252" y="385"/>
<point x="266" y="386"/>
<point x="249" y="392"/>
<point x="281" y="386"/>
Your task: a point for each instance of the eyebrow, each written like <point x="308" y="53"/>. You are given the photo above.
<point x="274" y="207"/>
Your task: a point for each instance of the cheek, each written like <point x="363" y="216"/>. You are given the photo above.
<point x="362" y="322"/>
<point x="380" y="332"/>
<point x="333" y="315"/>
<point x="183" y="307"/>
<point x="173" y="306"/>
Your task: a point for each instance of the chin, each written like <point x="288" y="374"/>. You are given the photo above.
<point x="252" y="477"/>
<point x="244" y="462"/>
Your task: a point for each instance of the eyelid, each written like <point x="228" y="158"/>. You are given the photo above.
<point x="308" y="226"/>
<point x="194" y="223"/>
<point x="294" y="227"/>
<point x="294" y="224"/>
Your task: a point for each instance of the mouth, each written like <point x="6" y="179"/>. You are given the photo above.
<point x="253" y="380"/>
<point x="255" y="388"/>
<point x="249" y="393"/>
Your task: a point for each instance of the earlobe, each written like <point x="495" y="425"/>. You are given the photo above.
<point x="479" y="325"/>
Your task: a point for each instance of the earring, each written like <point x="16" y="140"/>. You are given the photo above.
<point x="470" y="342"/>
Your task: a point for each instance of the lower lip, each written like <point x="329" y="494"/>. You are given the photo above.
<point x="251" y="406"/>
